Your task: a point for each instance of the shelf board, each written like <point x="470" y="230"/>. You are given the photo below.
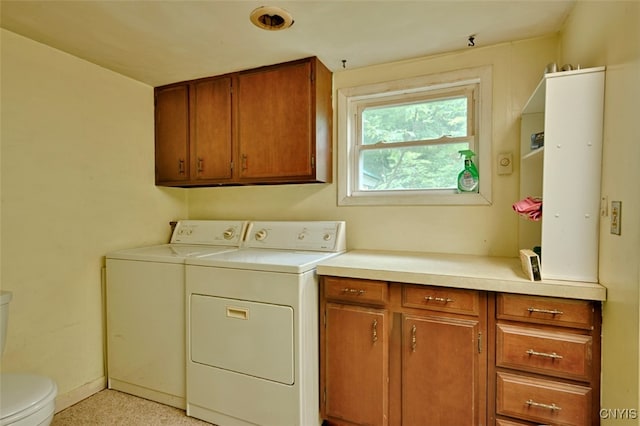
<point x="533" y="154"/>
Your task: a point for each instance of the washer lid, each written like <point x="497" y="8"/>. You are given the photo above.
<point x="168" y="253"/>
<point x="23" y="394"/>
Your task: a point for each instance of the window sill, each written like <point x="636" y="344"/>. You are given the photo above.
<point x="443" y="199"/>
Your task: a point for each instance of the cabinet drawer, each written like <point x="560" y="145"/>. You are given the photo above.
<point x="544" y="351"/>
<point x="356" y="290"/>
<point x="503" y="422"/>
<point x="543" y="401"/>
<point x="443" y="299"/>
<point x="545" y="310"/>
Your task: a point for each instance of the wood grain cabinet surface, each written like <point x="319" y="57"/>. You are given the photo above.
<point x="266" y="125"/>
<point x="406" y="354"/>
<point x="547" y="361"/>
<point x="356" y="355"/>
<point x="391" y="354"/>
<point x="172" y="135"/>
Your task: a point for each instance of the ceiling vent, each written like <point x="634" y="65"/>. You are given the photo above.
<point x="271" y="18"/>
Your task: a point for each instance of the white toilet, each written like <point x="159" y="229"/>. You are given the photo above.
<point x="25" y="399"/>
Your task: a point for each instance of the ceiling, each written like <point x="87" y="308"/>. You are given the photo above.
<point x="165" y="41"/>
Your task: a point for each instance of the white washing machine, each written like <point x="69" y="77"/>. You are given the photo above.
<point x="145" y="306"/>
<point x="252" y="326"/>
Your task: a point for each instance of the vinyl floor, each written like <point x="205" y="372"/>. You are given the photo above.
<point x="113" y="408"/>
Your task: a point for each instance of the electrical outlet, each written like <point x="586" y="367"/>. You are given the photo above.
<point x="616" y="214"/>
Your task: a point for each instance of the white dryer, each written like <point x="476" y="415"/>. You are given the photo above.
<point x="145" y="302"/>
<point x="252" y="326"/>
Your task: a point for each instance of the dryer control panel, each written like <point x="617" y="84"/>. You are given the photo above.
<point x="209" y="232"/>
<point x="326" y="236"/>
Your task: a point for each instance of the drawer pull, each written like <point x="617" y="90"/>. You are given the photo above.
<point x="414" y="342"/>
<point x="238" y="313"/>
<point x="545" y="311"/>
<point x="552" y="406"/>
<point x="374" y="328"/>
<point x="354" y="291"/>
<point x="438" y="299"/>
<point x="551" y="355"/>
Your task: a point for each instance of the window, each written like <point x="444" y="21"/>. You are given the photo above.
<point x="399" y="142"/>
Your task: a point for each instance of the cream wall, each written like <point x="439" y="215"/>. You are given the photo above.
<point x="517" y="68"/>
<point x="608" y="33"/>
<point x="77" y="181"/>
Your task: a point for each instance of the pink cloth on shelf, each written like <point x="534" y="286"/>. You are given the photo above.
<point x="529" y="207"/>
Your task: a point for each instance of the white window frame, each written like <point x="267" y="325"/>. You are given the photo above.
<point x="350" y="103"/>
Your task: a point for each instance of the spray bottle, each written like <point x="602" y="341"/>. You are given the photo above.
<point x="468" y="178"/>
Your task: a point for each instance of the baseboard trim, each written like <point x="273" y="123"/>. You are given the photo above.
<point x="76" y="395"/>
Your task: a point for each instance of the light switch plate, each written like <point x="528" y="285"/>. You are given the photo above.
<point x="616" y="213"/>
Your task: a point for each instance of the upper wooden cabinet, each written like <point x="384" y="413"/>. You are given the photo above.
<point x="267" y="125"/>
<point x="210" y="110"/>
<point x="193" y="132"/>
<point x="172" y="135"/>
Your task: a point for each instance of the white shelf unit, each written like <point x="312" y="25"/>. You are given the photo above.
<point x="568" y="107"/>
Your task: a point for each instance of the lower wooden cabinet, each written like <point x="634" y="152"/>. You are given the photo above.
<point x="543" y="400"/>
<point x="442" y="380"/>
<point x="396" y="354"/>
<point x="356" y="354"/>
<point x="547" y="368"/>
<point x="400" y="354"/>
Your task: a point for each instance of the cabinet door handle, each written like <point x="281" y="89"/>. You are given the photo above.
<point x="200" y="165"/>
<point x="545" y="311"/>
<point x="244" y="162"/>
<point x="374" y="330"/>
<point x="552" y="406"/>
<point x="544" y="354"/>
<point x="438" y="299"/>
<point x="353" y="291"/>
<point x="181" y="166"/>
<point x="414" y="341"/>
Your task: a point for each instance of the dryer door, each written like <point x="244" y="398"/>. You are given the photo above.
<point x="250" y="338"/>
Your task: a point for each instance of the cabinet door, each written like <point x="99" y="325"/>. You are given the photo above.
<point x="172" y="135"/>
<point x="442" y="383"/>
<point x="274" y="122"/>
<point x="356" y="364"/>
<point x="211" y="129"/>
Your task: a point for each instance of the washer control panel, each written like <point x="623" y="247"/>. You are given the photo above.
<point x="209" y="232"/>
<point x="314" y="236"/>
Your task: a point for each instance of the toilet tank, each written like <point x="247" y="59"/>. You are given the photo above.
<point x="5" y="298"/>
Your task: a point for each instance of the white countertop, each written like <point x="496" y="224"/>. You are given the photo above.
<point x="502" y="274"/>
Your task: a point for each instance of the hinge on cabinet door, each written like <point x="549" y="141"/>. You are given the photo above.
<point x="311" y="76"/>
<point x="313" y="162"/>
<point x="479" y="343"/>
<point x="232" y="166"/>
